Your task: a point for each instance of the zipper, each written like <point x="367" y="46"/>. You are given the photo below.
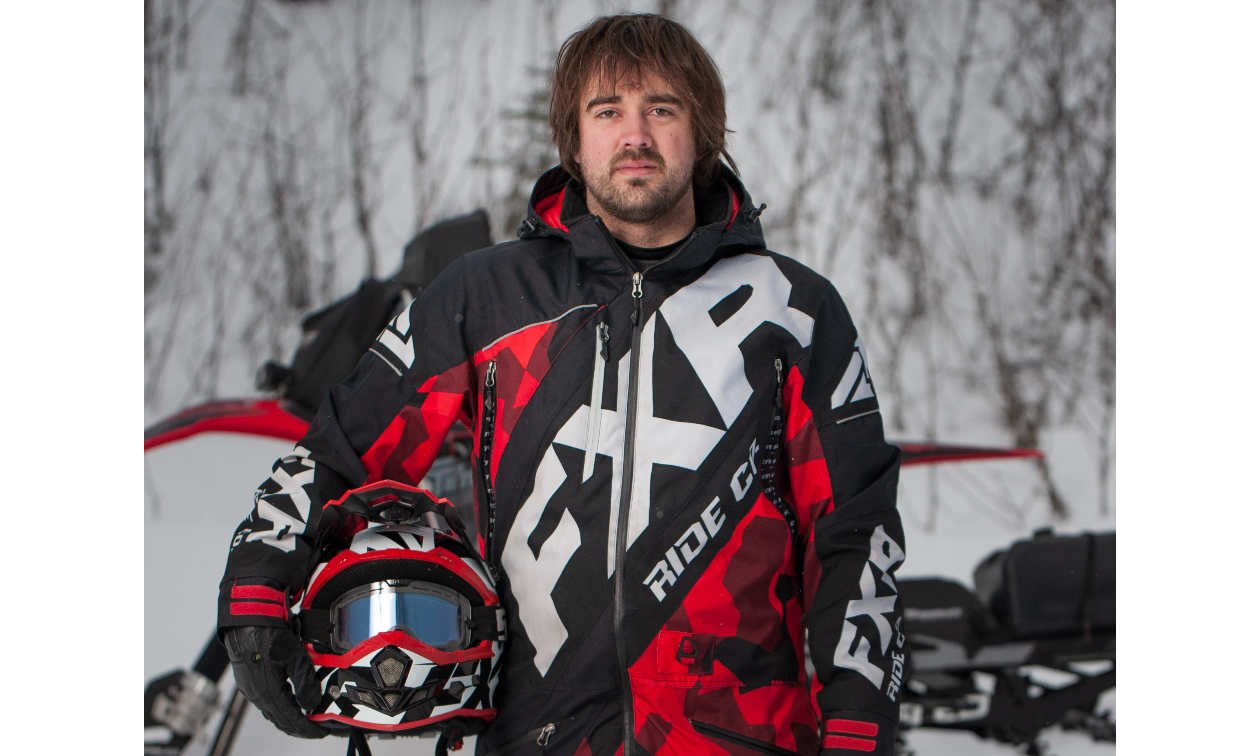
<point x="770" y="456"/>
<point x="636" y="279"/>
<point x="627" y="482"/>
<point x="752" y="744"/>
<point x="623" y="517"/>
<point x="597" y="400"/>
<point x="488" y="407"/>
<point x="770" y="460"/>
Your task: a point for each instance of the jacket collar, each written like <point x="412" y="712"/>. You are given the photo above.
<point x="725" y="215"/>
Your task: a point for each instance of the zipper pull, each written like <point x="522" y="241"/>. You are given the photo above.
<point x="778" y="383"/>
<point x="637" y="293"/>
<point x="545" y="735"/>
<point x="601" y="333"/>
<point x="487" y="394"/>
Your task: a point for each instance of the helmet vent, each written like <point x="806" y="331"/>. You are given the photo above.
<point x="392" y="699"/>
<point x="391" y="672"/>
<point x="364" y="697"/>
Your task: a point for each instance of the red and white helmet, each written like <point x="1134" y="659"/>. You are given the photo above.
<point x="402" y="621"/>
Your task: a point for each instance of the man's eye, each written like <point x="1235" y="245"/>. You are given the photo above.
<point x="606" y="114"/>
<point x="661" y="112"/>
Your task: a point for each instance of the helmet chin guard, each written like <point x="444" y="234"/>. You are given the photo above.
<point x="402" y="620"/>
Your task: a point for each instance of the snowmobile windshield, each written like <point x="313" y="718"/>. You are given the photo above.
<point x="432" y="614"/>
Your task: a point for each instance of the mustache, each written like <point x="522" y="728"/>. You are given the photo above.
<point x="635" y="153"/>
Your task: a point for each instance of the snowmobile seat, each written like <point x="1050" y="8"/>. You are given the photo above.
<point x="942" y="609"/>
<point x="337" y="336"/>
<point x="1051" y="585"/>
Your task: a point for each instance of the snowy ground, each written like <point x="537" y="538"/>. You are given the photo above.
<point x="198" y="490"/>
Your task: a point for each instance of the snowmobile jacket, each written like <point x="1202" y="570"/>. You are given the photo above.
<point x="681" y="470"/>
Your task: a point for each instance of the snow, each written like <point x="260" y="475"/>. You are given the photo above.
<point x="198" y="490"/>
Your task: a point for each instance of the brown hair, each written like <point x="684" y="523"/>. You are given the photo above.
<point x="616" y="48"/>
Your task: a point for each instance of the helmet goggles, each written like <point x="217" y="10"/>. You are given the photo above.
<point x="432" y="614"/>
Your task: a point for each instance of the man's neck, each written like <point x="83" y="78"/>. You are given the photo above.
<point x="667" y="229"/>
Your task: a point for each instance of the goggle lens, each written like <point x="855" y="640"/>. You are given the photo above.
<point x="428" y="618"/>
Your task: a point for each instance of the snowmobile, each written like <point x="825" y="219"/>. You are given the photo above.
<point x="179" y="704"/>
<point x="1032" y="647"/>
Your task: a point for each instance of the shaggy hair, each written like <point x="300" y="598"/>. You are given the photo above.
<point x="616" y="49"/>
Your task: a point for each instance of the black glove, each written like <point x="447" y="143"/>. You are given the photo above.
<point x="265" y="660"/>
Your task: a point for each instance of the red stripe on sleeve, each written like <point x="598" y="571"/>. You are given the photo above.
<point x="852" y="727"/>
<point x="259" y="592"/>
<point x="253" y="607"/>
<point x="855" y="744"/>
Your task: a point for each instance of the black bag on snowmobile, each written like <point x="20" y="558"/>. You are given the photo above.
<point x="336" y="337"/>
<point x="1051" y="585"/>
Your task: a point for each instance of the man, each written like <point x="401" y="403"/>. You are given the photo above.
<point x="684" y="464"/>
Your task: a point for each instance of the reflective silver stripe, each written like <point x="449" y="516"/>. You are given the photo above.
<point x="597" y="402"/>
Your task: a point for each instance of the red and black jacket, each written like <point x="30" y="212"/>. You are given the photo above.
<point x="662" y="555"/>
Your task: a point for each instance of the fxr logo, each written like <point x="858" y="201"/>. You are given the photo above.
<point x="690" y="545"/>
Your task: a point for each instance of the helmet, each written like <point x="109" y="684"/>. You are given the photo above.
<point x="402" y="620"/>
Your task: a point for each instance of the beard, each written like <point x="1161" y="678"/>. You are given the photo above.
<point x="636" y="200"/>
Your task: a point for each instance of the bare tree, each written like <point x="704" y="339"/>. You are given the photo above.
<point x="950" y="165"/>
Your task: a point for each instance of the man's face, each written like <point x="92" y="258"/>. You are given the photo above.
<point x="637" y="150"/>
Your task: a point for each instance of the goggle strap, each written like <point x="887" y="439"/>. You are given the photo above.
<point x="485" y="622"/>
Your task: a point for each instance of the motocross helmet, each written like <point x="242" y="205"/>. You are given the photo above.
<point x="402" y="620"/>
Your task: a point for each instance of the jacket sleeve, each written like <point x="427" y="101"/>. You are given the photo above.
<point x="387" y="420"/>
<point x="842" y="476"/>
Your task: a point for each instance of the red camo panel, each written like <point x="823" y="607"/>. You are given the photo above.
<point x="529" y="384"/>
<point x="521" y="363"/>
<point x="414" y="434"/>
<point x="777" y="714"/>
<point x="652" y="734"/>
<point x="797" y="411"/>
<point x="261" y="592"/>
<point x="583" y="749"/>
<point x="456" y="380"/>
<point x="679" y="621"/>
<point x="439" y="411"/>
<point x="709" y="605"/>
<point x="259" y="609"/>
<point x="853" y="727"/>
<point x="807" y="469"/>
<point x="808" y="477"/>
<point x="414" y="437"/>
<point x="855" y="744"/>
<point x="376" y="457"/>
<point x="753" y="573"/>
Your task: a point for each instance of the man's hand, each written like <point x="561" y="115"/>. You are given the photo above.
<point x="265" y="660"/>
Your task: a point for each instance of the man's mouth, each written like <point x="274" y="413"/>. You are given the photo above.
<point x="636" y="168"/>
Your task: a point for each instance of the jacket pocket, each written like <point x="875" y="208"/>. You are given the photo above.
<point x="753" y="744"/>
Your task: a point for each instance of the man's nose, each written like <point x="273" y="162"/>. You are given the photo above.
<point x="634" y="131"/>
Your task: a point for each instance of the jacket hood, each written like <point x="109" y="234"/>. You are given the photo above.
<point x="725" y="218"/>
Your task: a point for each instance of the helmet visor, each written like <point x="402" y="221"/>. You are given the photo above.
<point x="432" y="614"/>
